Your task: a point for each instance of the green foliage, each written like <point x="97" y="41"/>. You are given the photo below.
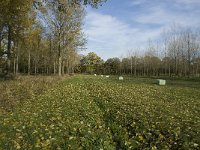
<point x="91" y="62"/>
<point x="35" y="35"/>
<point x="112" y="66"/>
<point x="86" y="112"/>
<point x="91" y="59"/>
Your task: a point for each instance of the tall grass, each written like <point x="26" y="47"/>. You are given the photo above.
<point x="14" y="92"/>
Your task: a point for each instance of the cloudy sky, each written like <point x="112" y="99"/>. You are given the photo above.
<point x="122" y="25"/>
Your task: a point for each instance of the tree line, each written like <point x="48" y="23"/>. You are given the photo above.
<point x="176" y="54"/>
<point x="41" y="36"/>
<point x="44" y="37"/>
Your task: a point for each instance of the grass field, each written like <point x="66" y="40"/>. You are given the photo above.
<point x="87" y="112"/>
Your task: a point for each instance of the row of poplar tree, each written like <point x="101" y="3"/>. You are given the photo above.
<point x="176" y="53"/>
<point x="41" y="36"/>
<point x="44" y="36"/>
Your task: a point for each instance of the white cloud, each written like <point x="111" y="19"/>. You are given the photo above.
<point x="110" y="37"/>
<point x="137" y="2"/>
<point x="188" y="1"/>
<point x="160" y="15"/>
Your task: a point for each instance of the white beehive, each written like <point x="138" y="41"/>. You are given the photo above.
<point x="95" y="74"/>
<point x="107" y="76"/>
<point x="161" y="82"/>
<point x="121" y="78"/>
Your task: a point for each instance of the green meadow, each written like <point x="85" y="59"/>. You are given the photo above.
<point x="91" y="112"/>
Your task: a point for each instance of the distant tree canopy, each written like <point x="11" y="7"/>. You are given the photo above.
<point x="90" y="62"/>
<point x="177" y="55"/>
<point x="91" y="59"/>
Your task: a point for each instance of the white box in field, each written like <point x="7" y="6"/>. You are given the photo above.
<point x="121" y="78"/>
<point x="161" y="82"/>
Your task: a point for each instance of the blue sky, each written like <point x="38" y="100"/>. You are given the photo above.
<point x="120" y="26"/>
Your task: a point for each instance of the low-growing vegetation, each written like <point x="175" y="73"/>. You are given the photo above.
<point x="23" y="88"/>
<point x="86" y="112"/>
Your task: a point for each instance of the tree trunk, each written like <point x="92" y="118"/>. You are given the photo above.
<point x="29" y="62"/>
<point x="63" y="67"/>
<point x="169" y="71"/>
<point x="54" y="67"/>
<point x="14" y="66"/>
<point x="35" y="69"/>
<point x="47" y="70"/>
<point x="189" y="57"/>
<point x="131" y="65"/>
<point x="17" y="65"/>
<point x="68" y="69"/>
<point x="17" y="59"/>
<point x="197" y="68"/>
<point x="135" y="68"/>
<point x="59" y="56"/>
<point x="0" y="40"/>
<point x="60" y="66"/>
<point x="176" y="66"/>
<point x="9" y="50"/>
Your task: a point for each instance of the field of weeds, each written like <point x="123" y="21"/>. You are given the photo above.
<point x="86" y="112"/>
<point x="13" y="92"/>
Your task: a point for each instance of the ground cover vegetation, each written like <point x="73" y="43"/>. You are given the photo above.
<point x="13" y="92"/>
<point x="43" y="37"/>
<point x="86" y="112"/>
